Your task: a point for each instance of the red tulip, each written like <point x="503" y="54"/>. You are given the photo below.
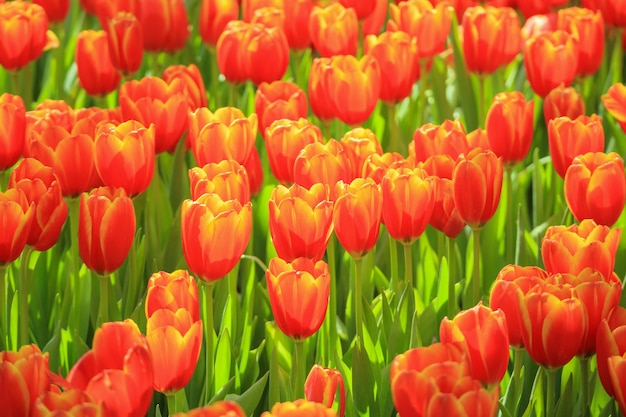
<point x="321" y="387"/>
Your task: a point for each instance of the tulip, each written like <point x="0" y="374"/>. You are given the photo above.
<point x="595" y="187"/>
<point x="172" y="291"/>
<point x="299" y="292"/>
<point x="117" y="370"/>
<point x="250" y="7"/>
<point x="23" y="33"/>
<point x="373" y="24"/>
<point x="610" y="341"/>
<point x="617" y="371"/>
<point x="106" y="229"/>
<point x="363" y="8"/>
<point x="125" y="40"/>
<point x="301" y="408"/>
<point x="491" y="38"/>
<point x="297" y="14"/>
<point x="322" y="163"/>
<point x="255" y="168"/>
<point x="124" y="156"/>
<point x="510" y="126"/>
<point x="538" y="7"/>
<point x="321" y="387"/>
<point x="477" y="138"/>
<point x="269" y="16"/>
<point x="106" y="11"/>
<point x="49" y="112"/>
<point x="615" y="102"/>
<point x="214" y="16"/>
<point x="396" y="53"/>
<point x="319" y="94"/>
<point x="359" y="144"/>
<point x="228" y="49"/>
<point x="96" y="73"/>
<point x="279" y="100"/>
<point x="42" y="189"/>
<point x="204" y="223"/>
<point x="449" y="138"/>
<point x="56" y="10"/>
<point x="612" y="11"/>
<point x="300" y="221"/>
<point x="563" y="101"/>
<point x="13" y="130"/>
<point x="16" y="217"/>
<point x="375" y="166"/>
<point x="550" y="59"/>
<point x="357" y="214"/>
<point x="588" y="28"/>
<point x="284" y="139"/>
<point x="227" y="179"/>
<point x="165" y="25"/>
<point x="217" y="409"/>
<point x="71" y="402"/>
<point x="574" y="248"/>
<point x="259" y="42"/>
<point x="334" y="30"/>
<point x="96" y="115"/>
<point x="193" y="84"/>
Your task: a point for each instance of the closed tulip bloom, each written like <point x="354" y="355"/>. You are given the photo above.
<point x="165" y="25"/>
<point x="279" y="100"/>
<point x="574" y="248"/>
<point x="284" y="139"/>
<point x="396" y="53"/>
<point x="482" y="172"/>
<point x="357" y="215"/>
<point x="429" y="24"/>
<point x="449" y="138"/>
<point x="23" y="33"/>
<point x="172" y="291"/>
<point x="259" y="42"/>
<point x="373" y="24"/>
<point x="550" y="59"/>
<point x="214" y="16"/>
<point x="532" y="8"/>
<point x="299" y="292"/>
<point x="300" y="221"/>
<point x="513" y="282"/>
<point x="610" y="341"/>
<point x="41" y="188"/>
<point x="510" y="126"/>
<point x="228" y="179"/>
<point x="255" y="169"/>
<point x="204" y="224"/>
<point x="319" y="94"/>
<point x="563" y="101"/>
<point x="408" y="202"/>
<point x="612" y="10"/>
<point x="588" y="27"/>
<point x="359" y="144"/>
<point x="229" y="55"/>
<point x="227" y="134"/>
<point x="153" y="100"/>
<point x="48" y="112"/>
<point x="569" y="138"/>
<point x="321" y="387"/>
<point x="56" y="10"/>
<point x="297" y="14"/>
<point x="124" y="156"/>
<point x="224" y="408"/>
<point x="322" y="163"/>
<point x="477" y="138"/>
<point x="445" y="217"/>
<point x="96" y="73"/>
<point x="483" y="334"/>
<point x="250" y="7"/>
<point x="125" y="41"/>
<point x="269" y="16"/>
<point x="375" y="166"/>
<point x="363" y="8"/>
<point x="106" y="229"/>
<point x="595" y="187"/>
<point x="70" y="403"/>
<point x="334" y="30"/>
<point x="615" y="102"/>
<point x="617" y="371"/>
<point x="117" y="370"/>
<point x="492" y="38"/>
<point x="193" y="84"/>
<point x="106" y="10"/>
<point x="12" y="129"/>
<point x="301" y="408"/>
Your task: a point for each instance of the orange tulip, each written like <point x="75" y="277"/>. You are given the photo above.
<point x="482" y="334"/>
<point x="279" y="100"/>
<point x="375" y="166"/>
<point x="595" y="187"/>
<point x="297" y="14"/>
<point x="271" y="17"/>
<point x="492" y="38"/>
<point x="396" y="53"/>
<point x="193" y="84"/>
<point x="229" y="56"/>
<point x="531" y="8"/>
<point x="299" y="292"/>
<point x="165" y="25"/>
<point x="292" y="236"/>
<point x="226" y="134"/>
<point x="217" y="409"/>
<point x="574" y="248"/>
<point x="106" y="229"/>
<point x="445" y="217"/>
<point x="284" y="139"/>
<point x="359" y="144"/>
<point x="334" y="30"/>
<point x="12" y="130"/>
<point x="41" y="188"/>
<point x="550" y="59"/>
<point x="322" y="163"/>
<point x="255" y="169"/>
<point x="321" y="387"/>
<point x="510" y="126"/>
<point x="319" y="94"/>
<point x="259" y="42"/>
<point x="96" y="73"/>
<point x="373" y="24"/>
<point x="357" y="214"/>
<point x="214" y="16"/>
<point x="70" y="403"/>
<point x="408" y="202"/>
<point x="612" y="10"/>
<point x="363" y="8"/>
<point x="125" y="40"/>
<point x="617" y="371"/>
<point x="563" y="101"/>
<point x="587" y="27"/>
<point x="228" y="179"/>
<point x="106" y="10"/>
<point x="172" y="291"/>
<point x="23" y="33"/>
<point x="429" y="24"/>
<point x="249" y="7"/>
<point x="610" y="341"/>
<point x="477" y="138"/>
<point x="56" y="10"/>
<point x="615" y="102"/>
<point x="124" y="156"/>
<point x="204" y="223"/>
<point x="449" y="138"/>
<point x="48" y="112"/>
<point x="153" y="100"/>
<point x="482" y="172"/>
<point x="98" y="114"/>
<point x="117" y="370"/>
<point x="301" y="408"/>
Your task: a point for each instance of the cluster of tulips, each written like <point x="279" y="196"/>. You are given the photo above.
<point x="148" y="177"/>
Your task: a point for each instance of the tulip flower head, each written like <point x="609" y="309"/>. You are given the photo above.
<point x="615" y="102"/>
<point x="321" y="387"/>
<point x="563" y="101"/>
<point x="12" y="130"/>
<point x="16" y="217"/>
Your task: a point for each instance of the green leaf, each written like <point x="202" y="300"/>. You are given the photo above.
<point x="251" y="398"/>
<point x="363" y="383"/>
<point x="224" y="390"/>
<point x="565" y="405"/>
<point x="223" y="359"/>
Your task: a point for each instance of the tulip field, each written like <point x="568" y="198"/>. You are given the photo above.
<point x="283" y="208"/>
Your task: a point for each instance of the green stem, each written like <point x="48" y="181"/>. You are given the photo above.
<point x="617" y="60"/>
<point x="256" y="260"/>
<point x="234" y="95"/>
<point x="510" y="230"/>
<point x="233" y="295"/>
<point x="332" y="301"/>
<point x="179" y="175"/>
<point x="518" y="361"/>
<point x="214" y="100"/>
<point x="298" y="369"/>
<point x="59" y="59"/>
<point x="394" y="134"/>
<point x="421" y="112"/>
<point x="26" y="88"/>
<point x="476" y="274"/>
<point x="171" y="404"/>
<point x="408" y="264"/>
<point x="23" y="297"/>
<point x="4" y="184"/>
<point x="3" y="309"/>
<point x="15" y="83"/>
<point x="103" y="310"/>
<point x="550" y="387"/>
<point x="452" y="308"/>
<point x="74" y="212"/>
<point x="584" y="378"/>
<point x="393" y="263"/>
<point x="358" y="313"/>
<point x="208" y="337"/>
